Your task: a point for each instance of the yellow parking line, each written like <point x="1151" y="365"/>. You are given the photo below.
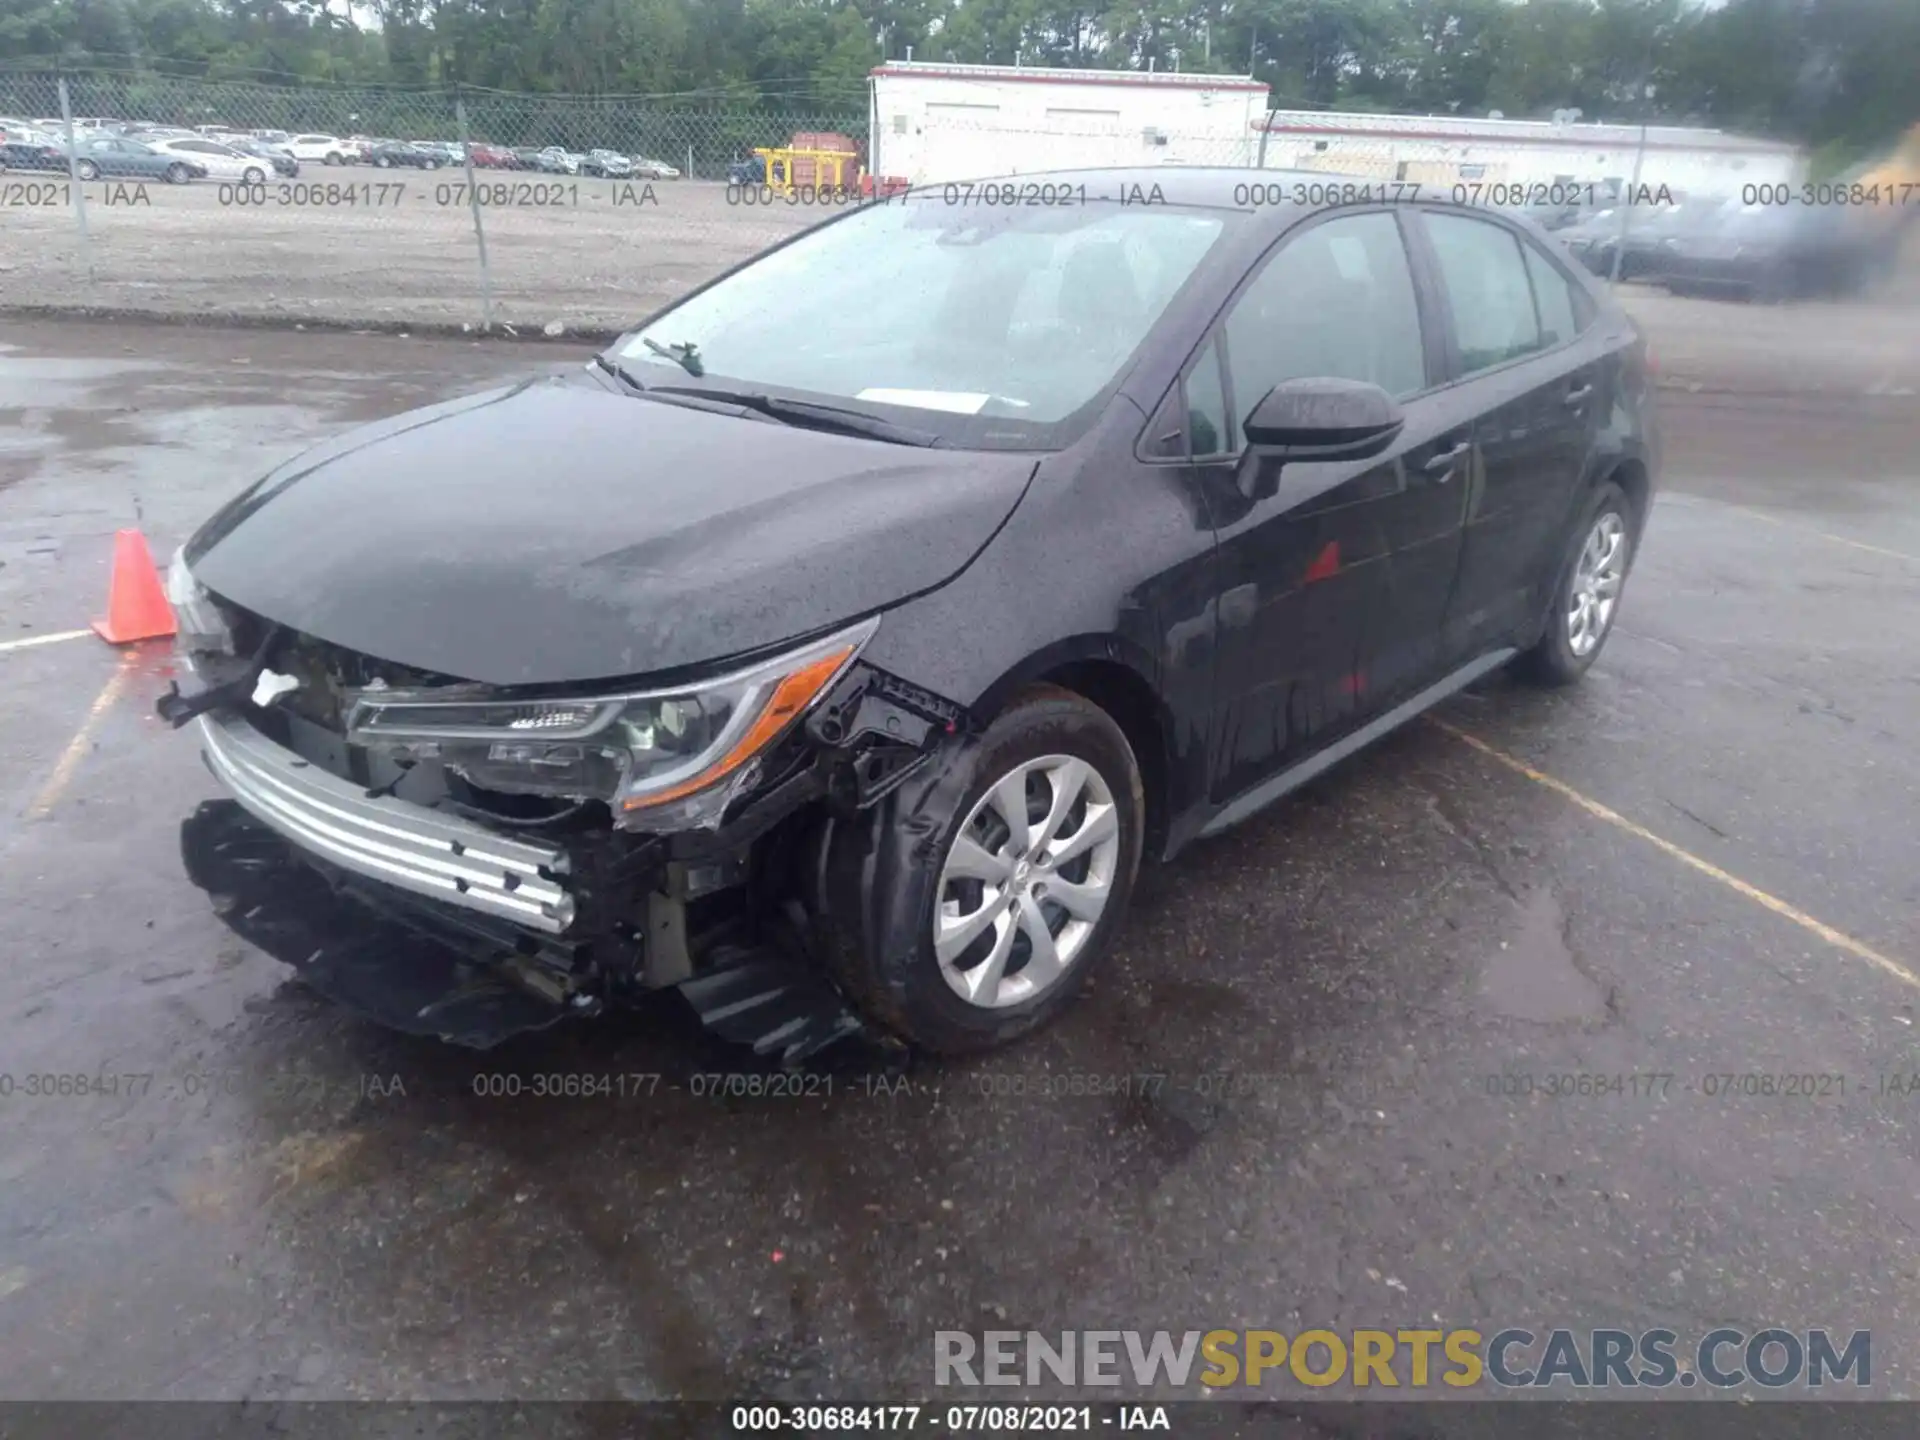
<point x="76" y="750"/>
<point x="1826" y="535"/>
<point x="53" y="639"/>
<point x="1840" y="940"/>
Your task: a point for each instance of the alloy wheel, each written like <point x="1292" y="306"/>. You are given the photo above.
<point x="1597" y="577"/>
<point x="1025" y="881"/>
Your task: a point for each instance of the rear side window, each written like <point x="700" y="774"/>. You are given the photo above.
<point x="1488" y="293"/>
<point x="1553" y="296"/>
<point x="1336" y="301"/>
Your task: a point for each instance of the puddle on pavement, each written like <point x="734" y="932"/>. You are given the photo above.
<point x="1533" y="975"/>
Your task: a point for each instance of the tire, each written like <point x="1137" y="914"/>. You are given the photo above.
<point x="429" y="164"/>
<point x="1559" y="657"/>
<point x="381" y="162"/>
<point x="177" y="174"/>
<point x="87" y="170"/>
<point x="331" y="159"/>
<point x="884" y="886"/>
<point x="253" y="176"/>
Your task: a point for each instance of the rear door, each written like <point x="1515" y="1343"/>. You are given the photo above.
<point x="1522" y="369"/>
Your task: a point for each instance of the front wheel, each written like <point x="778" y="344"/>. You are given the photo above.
<point x="381" y="162"/>
<point x="87" y="170"/>
<point x="177" y="174"/>
<point x="255" y="176"/>
<point x="1587" y="598"/>
<point x="993" y="890"/>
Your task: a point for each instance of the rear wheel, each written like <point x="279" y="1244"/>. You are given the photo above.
<point x="177" y="174"/>
<point x="1587" y="598"/>
<point x="993" y="892"/>
<point x="381" y="162"/>
<point x="87" y="170"/>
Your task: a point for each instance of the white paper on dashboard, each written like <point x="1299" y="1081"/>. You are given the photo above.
<point x="954" y="401"/>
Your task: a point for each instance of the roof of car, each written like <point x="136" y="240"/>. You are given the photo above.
<point x="1201" y="185"/>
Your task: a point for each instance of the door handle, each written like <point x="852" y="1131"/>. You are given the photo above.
<point x="1441" y="466"/>
<point x="1579" y="395"/>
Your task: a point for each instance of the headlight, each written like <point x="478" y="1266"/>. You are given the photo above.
<point x="199" y="623"/>
<point x="669" y="758"/>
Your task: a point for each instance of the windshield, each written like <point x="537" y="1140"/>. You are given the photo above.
<point x="988" y="325"/>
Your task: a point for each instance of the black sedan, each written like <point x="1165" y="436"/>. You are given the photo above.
<point x="871" y="636"/>
<point x="1772" y="252"/>
<point x="278" y="156"/>
<point x="388" y="154"/>
<point x="118" y="158"/>
<point x="30" y="150"/>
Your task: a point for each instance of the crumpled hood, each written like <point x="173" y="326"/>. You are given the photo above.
<point x="557" y="531"/>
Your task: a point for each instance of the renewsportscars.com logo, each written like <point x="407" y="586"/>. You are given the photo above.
<point x="1411" y="1359"/>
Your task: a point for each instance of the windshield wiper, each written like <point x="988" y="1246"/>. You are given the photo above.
<point x="686" y="355"/>
<point x="619" y="372"/>
<point x="809" y="414"/>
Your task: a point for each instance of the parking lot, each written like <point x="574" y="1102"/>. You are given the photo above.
<point x="1700" y="865"/>
<point x="385" y="247"/>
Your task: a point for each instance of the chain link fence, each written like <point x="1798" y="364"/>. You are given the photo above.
<point x="476" y="209"/>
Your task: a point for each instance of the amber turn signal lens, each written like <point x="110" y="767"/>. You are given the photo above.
<point x="790" y="698"/>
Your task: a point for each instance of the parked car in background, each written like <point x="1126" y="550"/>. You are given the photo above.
<point x="221" y="162"/>
<point x="25" y="148"/>
<point x="322" y="150"/>
<point x="607" y="164"/>
<point x="646" y="168"/>
<point x="491" y="157"/>
<point x="1773" y="252"/>
<point x="283" y="162"/>
<point x="555" y="161"/>
<point x="117" y="157"/>
<point x="448" y="151"/>
<point x="527" y="157"/>
<point x="390" y="154"/>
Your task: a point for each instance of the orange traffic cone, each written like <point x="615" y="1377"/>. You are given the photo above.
<point x="137" y="606"/>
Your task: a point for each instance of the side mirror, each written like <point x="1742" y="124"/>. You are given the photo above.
<point x="1323" y="419"/>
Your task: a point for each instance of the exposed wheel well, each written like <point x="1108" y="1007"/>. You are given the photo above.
<point x="1130" y="701"/>
<point x="1631" y="476"/>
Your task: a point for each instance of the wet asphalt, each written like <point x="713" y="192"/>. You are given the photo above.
<point x="282" y="1201"/>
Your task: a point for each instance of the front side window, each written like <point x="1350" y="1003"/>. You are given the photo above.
<point x="1487" y="291"/>
<point x="1013" y="317"/>
<point x="1336" y="301"/>
<point x="1210" y="429"/>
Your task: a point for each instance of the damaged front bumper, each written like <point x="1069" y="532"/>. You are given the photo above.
<point x="405" y="896"/>
<point x="383" y="838"/>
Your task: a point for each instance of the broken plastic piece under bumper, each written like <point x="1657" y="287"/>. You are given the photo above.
<point x="387" y="839"/>
<point x="266" y="891"/>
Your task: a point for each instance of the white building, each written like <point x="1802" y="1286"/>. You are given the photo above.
<point x="933" y="123"/>
<point x="1443" y="151"/>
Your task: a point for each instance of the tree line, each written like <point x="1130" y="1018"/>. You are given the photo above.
<point x="1831" y="73"/>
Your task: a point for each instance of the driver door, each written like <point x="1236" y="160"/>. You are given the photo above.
<point x="1333" y="577"/>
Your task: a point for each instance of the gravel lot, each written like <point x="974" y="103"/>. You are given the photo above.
<point x="589" y="253"/>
